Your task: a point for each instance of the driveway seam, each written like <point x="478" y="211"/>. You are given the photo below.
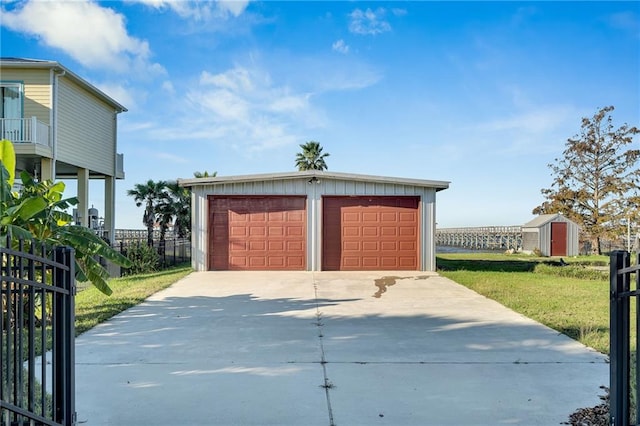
<point x="327" y="385"/>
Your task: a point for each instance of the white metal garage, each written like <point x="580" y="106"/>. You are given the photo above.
<point x="313" y="220"/>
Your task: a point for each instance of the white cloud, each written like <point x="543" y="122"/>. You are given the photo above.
<point x="399" y="12"/>
<point x="627" y="21"/>
<point x="235" y="7"/>
<point x="199" y="10"/>
<point x="167" y="86"/>
<point x="242" y="107"/>
<point x="369" y="22"/>
<point x="93" y="35"/>
<point x="121" y="94"/>
<point x="340" y="46"/>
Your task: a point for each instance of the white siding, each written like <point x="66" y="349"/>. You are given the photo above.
<point x="86" y="129"/>
<point x="314" y="192"/>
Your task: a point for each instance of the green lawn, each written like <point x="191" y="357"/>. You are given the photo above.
<point x="576" y="305"/>
<point x="93" y="307"/>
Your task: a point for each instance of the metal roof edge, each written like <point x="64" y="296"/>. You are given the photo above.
<point x="190" y="182"/>
<point x="45" y="64"/>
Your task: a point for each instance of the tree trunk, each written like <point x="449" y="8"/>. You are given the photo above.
<point x="150" y="236"/>
<point x="596" y="247"/>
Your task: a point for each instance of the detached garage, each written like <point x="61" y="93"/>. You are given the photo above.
<point x="313" y="221"/>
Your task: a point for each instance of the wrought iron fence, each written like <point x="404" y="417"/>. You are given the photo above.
<point x="171" y="252"/>
<point x="621" y="389"/>
<point x="37" y="335"/>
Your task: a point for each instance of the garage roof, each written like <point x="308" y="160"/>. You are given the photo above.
<point x="218" y="180"/>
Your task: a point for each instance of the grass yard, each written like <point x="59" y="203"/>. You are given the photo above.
<point x="93" y="307"/>
<point x="572" y="299"/>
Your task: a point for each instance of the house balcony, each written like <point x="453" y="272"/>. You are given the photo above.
<point x="25" y="130"/>
<point x="29" y="136"/>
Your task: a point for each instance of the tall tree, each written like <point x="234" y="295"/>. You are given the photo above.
<point x="180" y="207"/>
<point x="151" y="195"/>
<point x="596" y="181"/>
<point x="311" y="157"/>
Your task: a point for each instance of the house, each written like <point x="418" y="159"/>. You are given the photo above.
<point x="552" y="234"/>
<point x="62" y="127"/>
<point x="313" y="220"/>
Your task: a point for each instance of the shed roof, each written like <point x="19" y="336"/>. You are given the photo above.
<point x="219" y="180"/>
<point x="544" y="219"/>
<point x="16" y="63"/>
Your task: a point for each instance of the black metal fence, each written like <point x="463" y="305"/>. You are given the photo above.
<point x="171" y="252"/>
<point x="621" y="388"/>
<point x="37" y="335"/>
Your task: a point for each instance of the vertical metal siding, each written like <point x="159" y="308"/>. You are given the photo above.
<point x="314" y="193"/>
<point x="572" y="237"/>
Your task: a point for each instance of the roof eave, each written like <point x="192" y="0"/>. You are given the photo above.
<point x="190" y="182"/>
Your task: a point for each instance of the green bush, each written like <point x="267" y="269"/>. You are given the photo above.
<point x="143" y="258"/>
<point x="571" y="271"/>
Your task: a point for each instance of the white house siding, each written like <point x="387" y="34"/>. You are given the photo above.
<point x="86" y="129"/>
<point x="37" y="91"/>
<point x="314" y="193"/>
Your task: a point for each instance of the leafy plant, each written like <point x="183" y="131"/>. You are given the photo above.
<point x="143" y="258"/>
<point x="38" y="212"/>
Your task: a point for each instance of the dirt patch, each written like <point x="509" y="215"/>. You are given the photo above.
<point x="385" y="282"/>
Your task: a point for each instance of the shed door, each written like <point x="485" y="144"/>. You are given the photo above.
<point x="370" y="233"/>
<point x="257" y="233"/>
<point x="558" y="238"/>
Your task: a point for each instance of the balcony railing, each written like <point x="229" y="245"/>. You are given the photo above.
<point x="119" y="166"/>
<point x="25" y="130"/>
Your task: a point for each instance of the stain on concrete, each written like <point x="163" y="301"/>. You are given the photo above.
<point x="386" y="282"/>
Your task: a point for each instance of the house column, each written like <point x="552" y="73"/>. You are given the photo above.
<point x="46" y="169"/>
<point x="83" y="196"/>
<point x="110" y="207"/>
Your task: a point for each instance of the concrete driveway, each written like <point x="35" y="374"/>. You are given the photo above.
<point x="306" y="349"/>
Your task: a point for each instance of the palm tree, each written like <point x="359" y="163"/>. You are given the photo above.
<point x="150" y="194"/>
<point x="204" y="174"/>
<point x="181" y="206"/>
<point x="311" y="157"/>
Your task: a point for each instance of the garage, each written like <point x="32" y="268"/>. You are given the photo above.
<point x="370" y="233"/>
<point x="313" y="221"/>
<point x="257" y="233"/>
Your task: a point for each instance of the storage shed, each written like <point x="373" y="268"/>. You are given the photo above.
<point x="313" y="220"/>
<point x="552" y="234"/>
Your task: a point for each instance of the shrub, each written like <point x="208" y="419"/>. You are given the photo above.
<point x="143" y="258"/>
<point x="571" y="271"/>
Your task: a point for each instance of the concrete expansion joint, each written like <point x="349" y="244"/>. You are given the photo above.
<point x="326" y="385"/>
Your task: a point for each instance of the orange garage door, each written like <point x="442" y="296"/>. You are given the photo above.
<point x="257" y="233"/>
<point x="370" y="233"/>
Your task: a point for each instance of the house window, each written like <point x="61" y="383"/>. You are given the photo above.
<point x="11" y="111"/>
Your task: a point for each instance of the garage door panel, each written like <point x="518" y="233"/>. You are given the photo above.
<point x="370" y="246"/>
<point x="295" y="231"/>
<point x="370" y="217"/>
<point x="370" y="232"/>
<point x="351" y="217"/>
<point x="258" y="233"/>
<point x="406" y="231"/>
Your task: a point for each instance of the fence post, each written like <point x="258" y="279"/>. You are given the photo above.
<point x="619" y="343"/>
<point x="64" y="340"/>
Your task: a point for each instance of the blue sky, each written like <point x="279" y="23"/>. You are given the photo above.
<point x="482" y="94"/>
